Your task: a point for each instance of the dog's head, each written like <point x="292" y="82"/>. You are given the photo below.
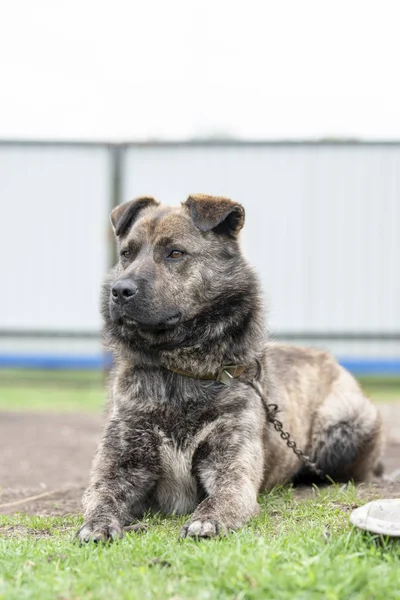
<point x="176" y="263"/>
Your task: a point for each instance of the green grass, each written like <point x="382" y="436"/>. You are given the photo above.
<point x="381" y="389"/>
<point x="51" y="377"/>
<point x="52" y="399"/>
<point x="296" y="549"/>
<point x="56" y="391"/>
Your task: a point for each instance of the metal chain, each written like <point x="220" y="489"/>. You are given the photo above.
<point x="271" y="410"/>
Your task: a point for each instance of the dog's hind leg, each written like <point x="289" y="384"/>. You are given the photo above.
<point x="347" y="436"/>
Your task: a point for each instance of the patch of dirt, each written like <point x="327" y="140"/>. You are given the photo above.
<point x="46" y="453"/>
<point x="59" y="502"/>
<point x="42" y="450"/>
<point x="380" y="488"/>
<point x="13" y="531"/>
<point x="43" y="453"/>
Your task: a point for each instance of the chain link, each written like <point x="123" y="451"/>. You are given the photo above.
<point x="271" y="410"/>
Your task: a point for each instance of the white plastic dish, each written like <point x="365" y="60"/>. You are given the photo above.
<point x="380" y="516"/>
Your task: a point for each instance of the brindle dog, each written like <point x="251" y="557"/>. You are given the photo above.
<point x="181" y="304"/>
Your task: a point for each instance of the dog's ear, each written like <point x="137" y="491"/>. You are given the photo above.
<point x="124" y="215"/>
<point x="215" y="212"/>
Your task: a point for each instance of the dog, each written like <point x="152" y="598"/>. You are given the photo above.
<point x="187" y="428"/>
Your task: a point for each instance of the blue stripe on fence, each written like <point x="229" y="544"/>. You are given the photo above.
<point x="358" y="366"/>
<point x="54" y="361"/>
<point x="371" y="366"/>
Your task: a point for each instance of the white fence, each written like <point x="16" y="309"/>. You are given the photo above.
<point x="322" y="228"/>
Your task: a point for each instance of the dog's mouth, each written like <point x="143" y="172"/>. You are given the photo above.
<point x="167" y="323"/>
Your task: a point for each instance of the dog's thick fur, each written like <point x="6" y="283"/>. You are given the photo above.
<point x="180" y="444"/>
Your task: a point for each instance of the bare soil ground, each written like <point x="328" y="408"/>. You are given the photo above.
<point x="45" y="460"/>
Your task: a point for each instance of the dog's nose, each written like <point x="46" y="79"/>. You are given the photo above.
<point x="123" y="290"/>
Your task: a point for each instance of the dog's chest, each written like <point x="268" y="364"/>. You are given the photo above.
<point x="176" y="490"/>
<point x="182" y="416"/>
<point x="180" y="434"/>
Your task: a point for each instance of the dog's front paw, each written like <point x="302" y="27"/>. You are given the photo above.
<point x="203" y="528"/>
<point x="97" y="531"/>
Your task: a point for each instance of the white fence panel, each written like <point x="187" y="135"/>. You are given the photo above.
<point x="55" y="202"/>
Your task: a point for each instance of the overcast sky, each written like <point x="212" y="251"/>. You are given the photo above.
<point x="88" y="69"/>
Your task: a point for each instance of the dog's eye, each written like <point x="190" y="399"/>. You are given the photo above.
<point x="126" y="253"/>
<point x="175" y="254"/>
